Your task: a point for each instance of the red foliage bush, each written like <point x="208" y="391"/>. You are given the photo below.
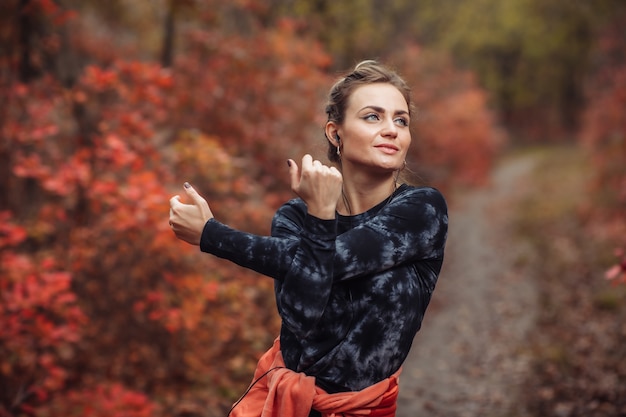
<point x="101" y="401"/>
<point x="41" y="320"/>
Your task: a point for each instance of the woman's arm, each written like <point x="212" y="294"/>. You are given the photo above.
<point x="413" y="226"/>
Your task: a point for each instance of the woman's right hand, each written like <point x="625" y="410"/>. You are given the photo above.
<point x="318" y="185"/>
<point x="187" y="220"/>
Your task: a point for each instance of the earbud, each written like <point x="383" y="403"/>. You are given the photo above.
<point x="338" y="145"/>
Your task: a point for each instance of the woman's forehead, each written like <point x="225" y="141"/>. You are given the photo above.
<point x="383" y="95"/>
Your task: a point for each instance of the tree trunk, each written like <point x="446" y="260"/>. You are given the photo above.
<point x="26" y="68"/>
<point x="167" y="53"/>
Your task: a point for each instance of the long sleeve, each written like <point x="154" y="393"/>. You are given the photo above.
<point x="413" y="226"/>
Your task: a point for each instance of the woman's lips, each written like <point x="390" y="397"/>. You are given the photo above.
<point x="388" y="149"/>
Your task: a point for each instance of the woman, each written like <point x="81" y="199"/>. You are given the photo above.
<point x="355" y="259"/>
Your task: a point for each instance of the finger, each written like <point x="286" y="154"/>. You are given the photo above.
<point x="336" y="172"/>
<point x="307" y="162"/>
<point x="193" y="194"/>
<point x="294" y="173"/>
<point x="175" y="201"/>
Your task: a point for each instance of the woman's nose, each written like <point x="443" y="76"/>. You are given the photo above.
<point x="390" y="129"/>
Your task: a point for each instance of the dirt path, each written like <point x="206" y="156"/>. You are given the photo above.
<point x="469" y="359"/>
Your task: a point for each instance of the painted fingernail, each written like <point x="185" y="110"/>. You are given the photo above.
<point x="289" y="162"/>
<point x="186" y="185"/>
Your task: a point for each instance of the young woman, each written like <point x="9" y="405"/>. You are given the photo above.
<point x="355" y="259"/>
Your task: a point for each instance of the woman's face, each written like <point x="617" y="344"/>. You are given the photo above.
<point x="375" y="133"/>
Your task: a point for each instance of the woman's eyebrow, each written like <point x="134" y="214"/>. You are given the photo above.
<point x="381" y="110"/>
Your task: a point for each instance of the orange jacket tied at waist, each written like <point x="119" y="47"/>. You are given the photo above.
<point x="282" y="392"/>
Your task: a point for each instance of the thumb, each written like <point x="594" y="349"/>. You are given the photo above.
<point x="193" y="194"/>
<point x="294" y="173"/>
<point x="198" y="201"/>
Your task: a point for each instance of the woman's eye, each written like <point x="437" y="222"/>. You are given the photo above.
<point x="372" y="117"/>
<point x="402" y="121"/>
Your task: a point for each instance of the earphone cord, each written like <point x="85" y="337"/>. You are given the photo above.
<point x="251" y="386"/>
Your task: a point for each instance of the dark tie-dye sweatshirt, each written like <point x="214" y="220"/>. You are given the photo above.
<point x="352" y="291"/>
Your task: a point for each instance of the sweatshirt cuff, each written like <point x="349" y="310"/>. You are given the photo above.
<point x="211" y="228"/>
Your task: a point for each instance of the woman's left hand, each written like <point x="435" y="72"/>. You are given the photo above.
<point x="318" y="185"/>
<point x="188" y="220"/>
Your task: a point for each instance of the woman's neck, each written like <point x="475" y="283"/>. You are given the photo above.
<point x="361" y="194"/>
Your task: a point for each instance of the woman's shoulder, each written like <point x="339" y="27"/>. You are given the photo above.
<point x="422" y="194"/>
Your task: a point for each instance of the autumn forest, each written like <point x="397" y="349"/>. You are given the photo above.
<point x="106" y="108"/>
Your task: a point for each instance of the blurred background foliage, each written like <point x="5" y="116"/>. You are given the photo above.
<point x="107" y="107"/>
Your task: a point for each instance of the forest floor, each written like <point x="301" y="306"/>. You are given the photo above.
<point x="521" y="322"/>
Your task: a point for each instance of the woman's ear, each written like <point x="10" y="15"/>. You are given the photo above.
<point x="332" y="133"/>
